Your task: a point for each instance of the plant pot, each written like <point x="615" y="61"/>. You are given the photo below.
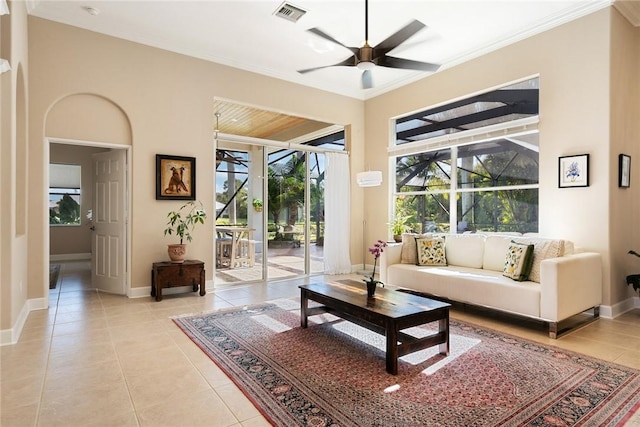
<point x="177" y="253"/>
<point x="258" y="208"/>
<point x="397" y="238"/>
<point x="371" y="289"/>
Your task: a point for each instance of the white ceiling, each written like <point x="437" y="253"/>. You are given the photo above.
<point x="247" y="35"/>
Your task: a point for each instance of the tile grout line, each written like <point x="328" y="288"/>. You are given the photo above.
<point x="115" y="351"/>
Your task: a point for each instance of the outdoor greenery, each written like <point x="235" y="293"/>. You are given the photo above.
<point x="286" y="191"/>
<point x="424" y="181"/>
<point x="67" y="211"/>
<point x="284" y="201"/>
<point x="240" y="200"/>
<point x="400" y="223"/>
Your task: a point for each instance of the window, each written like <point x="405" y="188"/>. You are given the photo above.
<point x="64" y="194"/>
<point x="471" y="165"/>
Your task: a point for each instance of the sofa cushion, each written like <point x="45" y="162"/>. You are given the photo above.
<point x="465" y="250"/>
<point x="518" y="261"/>
<point x="430" y="251"/>
<point x="495" y="249"/>
<point x="408" y="255"/>
<point x="542" y="249"/>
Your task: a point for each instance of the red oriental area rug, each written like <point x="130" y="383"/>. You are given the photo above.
<point x="333" y="374"/>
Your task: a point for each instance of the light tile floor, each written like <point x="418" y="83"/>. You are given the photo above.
<point x="94" y="359"/>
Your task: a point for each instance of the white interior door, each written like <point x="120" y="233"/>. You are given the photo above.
<point x="108" y="267"/>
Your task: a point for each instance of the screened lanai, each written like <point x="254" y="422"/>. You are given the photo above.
<point x="470" y="165"/>
<point x="270" y="196"/>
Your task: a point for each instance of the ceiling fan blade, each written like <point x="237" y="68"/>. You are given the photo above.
<point x="349" y="62"/>
<point x="397" y="38"/>
<point x="319" y="32"/>
<point x="408" y="64"/>
<point x="367" y="79"/>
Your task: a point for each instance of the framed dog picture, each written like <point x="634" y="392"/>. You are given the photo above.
<point x="175" y="177"/>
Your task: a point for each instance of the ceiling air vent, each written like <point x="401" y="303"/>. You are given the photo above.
<point x="289" y="12"/>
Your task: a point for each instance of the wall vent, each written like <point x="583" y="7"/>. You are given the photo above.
<point x="289" y="12"/>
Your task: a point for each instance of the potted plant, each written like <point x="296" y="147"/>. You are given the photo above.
<point x="257" y="205"/>
<point x="634" y="279"/>
<point x="182" y="223"/>
<point x="376" y="250"/>
<point x="399" y="225"/>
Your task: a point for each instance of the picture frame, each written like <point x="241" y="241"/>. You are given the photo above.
<point x="175" y="177"/>
<point x="573" y="171"/>
<point x="624" y="171"/>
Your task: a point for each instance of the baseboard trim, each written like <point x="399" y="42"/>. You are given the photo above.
<point x="70" y="257"/>
<point x="11" y="336"/>
<point x="358" y="269"/>
<point x="622" y="307"/>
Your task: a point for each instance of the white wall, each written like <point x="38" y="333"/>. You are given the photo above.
<point x="14" y="173"/>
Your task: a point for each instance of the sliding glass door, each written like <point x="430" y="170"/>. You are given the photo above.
<point x="269" y="213"/>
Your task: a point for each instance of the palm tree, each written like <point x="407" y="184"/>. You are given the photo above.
<point x="286" y="187"/>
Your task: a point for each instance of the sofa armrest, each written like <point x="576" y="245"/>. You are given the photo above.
<point x="570" y="285"/>
<point x="392" y="254"/>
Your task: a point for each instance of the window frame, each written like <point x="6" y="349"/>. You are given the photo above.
<point x="513" y="128"/>
<point x="75" y="191"/>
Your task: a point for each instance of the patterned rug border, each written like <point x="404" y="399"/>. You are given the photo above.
<point x="294" y="306"/>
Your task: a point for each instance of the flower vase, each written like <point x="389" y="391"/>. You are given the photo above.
<point x="371" y="289"/>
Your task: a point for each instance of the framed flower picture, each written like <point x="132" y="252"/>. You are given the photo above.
<point x="573" y="171"/>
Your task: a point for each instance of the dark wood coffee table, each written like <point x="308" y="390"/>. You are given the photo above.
<point x="387" y="313"/>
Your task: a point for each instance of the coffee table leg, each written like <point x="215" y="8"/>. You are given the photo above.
<point x="392" y="348"/>
<point x="304" y="305"/>
<point x="444" y="327"/>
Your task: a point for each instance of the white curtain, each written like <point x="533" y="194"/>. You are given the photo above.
<point x="337" y="215"/>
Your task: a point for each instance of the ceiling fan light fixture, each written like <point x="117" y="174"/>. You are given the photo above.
<point x="366" y="58"/>
<point x="366" y="65"/>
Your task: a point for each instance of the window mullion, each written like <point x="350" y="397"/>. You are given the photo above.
<point x="453" y="211"/>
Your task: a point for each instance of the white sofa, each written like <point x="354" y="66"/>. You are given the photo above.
<point x="563" y="282"/>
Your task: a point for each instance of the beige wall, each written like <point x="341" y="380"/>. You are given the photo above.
<point x="64" y="240"/>
<point x="625" y="138"/>
<point x="575" y="100"/>
<point x="168" y="100"/>
<point x="14" y="173"/>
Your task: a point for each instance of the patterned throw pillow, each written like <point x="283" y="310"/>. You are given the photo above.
<point x="518" y="262"/>
<point x="430" y="251"/>
<point x="542" y="249"/>
<point x="408" y="254"/>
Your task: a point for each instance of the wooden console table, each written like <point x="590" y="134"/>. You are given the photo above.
<point x="170" y="274"/>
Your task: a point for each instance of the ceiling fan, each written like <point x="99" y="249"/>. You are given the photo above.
<point x="366" y="58"/>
